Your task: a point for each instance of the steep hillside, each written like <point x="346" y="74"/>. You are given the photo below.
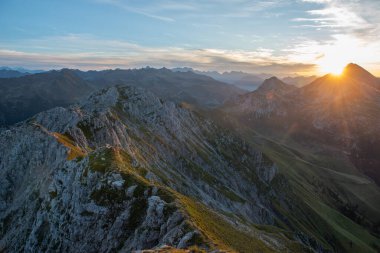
<point x="299" y="81"/>
<point x="27" y="95"/>
<point x="187" y="87"/>
<point x="140" y="173"/>
<point x="269" y="98"/>
<point x="143" y="172"/>
<point x="325" y="138"/>
<point x="245" y="81"/>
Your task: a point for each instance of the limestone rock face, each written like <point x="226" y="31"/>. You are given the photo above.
<point x="108" y="174"/>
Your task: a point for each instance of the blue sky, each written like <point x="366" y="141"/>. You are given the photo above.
<point x="278" y="36"/>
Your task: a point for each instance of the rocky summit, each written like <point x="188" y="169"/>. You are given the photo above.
<point x="126" y="171"/>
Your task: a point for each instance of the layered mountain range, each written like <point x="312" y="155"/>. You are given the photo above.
<point x="185" y="162"/>
<point x="248" y="81"/>
<point x="337" y="110"/>
<point x="27" y="95"/>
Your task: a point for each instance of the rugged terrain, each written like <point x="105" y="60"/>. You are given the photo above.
<point x="25" y="96"/>
<point x="127" y="170"/>
<point x="326" y="137"/>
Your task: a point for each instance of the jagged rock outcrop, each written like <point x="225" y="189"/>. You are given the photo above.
<point x="124" y="170"/>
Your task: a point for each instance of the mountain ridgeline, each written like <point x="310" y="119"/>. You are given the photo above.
<point x="339" y="111"/>
<point x="27" y="95"/>
<point x="157" y="160"/>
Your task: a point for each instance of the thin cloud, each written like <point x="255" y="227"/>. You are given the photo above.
<point x="166" y="10"/>
<point x="359" y="18"/>
<point x="68" y="52"/>
<point x="140" y="11"/>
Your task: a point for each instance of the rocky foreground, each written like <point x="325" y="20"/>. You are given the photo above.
<point x="125" y="171"/>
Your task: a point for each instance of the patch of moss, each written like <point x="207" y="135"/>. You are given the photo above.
<point x="169" y="209"/>
<point x="86" y="213"/>
<point x="165" y="195"/>
<point x="230" y="194"/>
<point x="107" y="196"/>
<point x="53" y="194"/>
<point x="86" y="130"/>
<point x="137" y="213"/>
<point x="101" y="161"/>
<point x="197" y="171"/>
<point x="42" y="231"/>
<point x="139" y="191"/>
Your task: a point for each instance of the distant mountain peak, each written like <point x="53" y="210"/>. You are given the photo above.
<point x="355" y="71"/>
<point x="271" y="84"/>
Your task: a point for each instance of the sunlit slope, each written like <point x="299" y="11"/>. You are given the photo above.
<point x="324" y="138"/>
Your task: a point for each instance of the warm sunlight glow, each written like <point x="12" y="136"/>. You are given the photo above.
<point x="345" y="49"/>
<point x="333" y="66"/>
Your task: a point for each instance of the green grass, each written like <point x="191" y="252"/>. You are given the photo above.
<point x="101" y="161"/>
<point x="221" y="233"/>
<point x="320" y="183"/>
<point x="107" y="196"/>
<point x="328" y="223"/>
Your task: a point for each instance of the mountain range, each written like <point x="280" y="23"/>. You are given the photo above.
<point x="6" y="72"/>
<point x="24" y="96"/>
<point x="247" y="81"/>
<point x="162" y="160"/>
<point x="341" y="110"/>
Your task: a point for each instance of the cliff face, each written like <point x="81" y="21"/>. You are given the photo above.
<point x="115" y="172"/>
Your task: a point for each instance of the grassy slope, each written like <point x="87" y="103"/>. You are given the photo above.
<point x="221" y="233"/>
<point x="297" y="169"/>
<point x="302" y="163"/>
<point x="334" y="223"/>
<point x="215" y="229"/>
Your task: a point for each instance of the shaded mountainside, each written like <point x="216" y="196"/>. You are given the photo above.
<point x="270" y="97"/>
<point x="176" y="86"/>
<point x="139" y="173"/>
<point x="299" y="81"/>
<point x="239" y="79"/>
<point x="9" y="73"/>
<point x="23" y="97"/>
<point x="340" y="110"/>
<point x="326" y="137"/>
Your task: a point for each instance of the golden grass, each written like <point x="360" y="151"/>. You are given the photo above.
<point x="221" y="233"/>
<point x="74" y="150"/>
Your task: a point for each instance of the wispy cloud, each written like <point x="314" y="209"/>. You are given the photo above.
<point x="351" y="33"/>
<point x="68" y="52"/>
<point x="254" y="36"/>
<point x="339" y="49"/>
<point x="130" y="8"/>
<point x="360" y="18"/>
<point x="168" y="10"/>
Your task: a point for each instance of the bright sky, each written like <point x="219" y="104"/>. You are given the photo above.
<point x="275" y="36"/>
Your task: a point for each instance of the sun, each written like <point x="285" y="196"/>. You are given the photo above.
<point x="332" y="66"/>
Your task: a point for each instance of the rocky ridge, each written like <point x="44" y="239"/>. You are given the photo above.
<point x="125" y="170"/>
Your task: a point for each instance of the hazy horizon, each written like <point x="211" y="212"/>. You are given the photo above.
<point x="304" y="37"/>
